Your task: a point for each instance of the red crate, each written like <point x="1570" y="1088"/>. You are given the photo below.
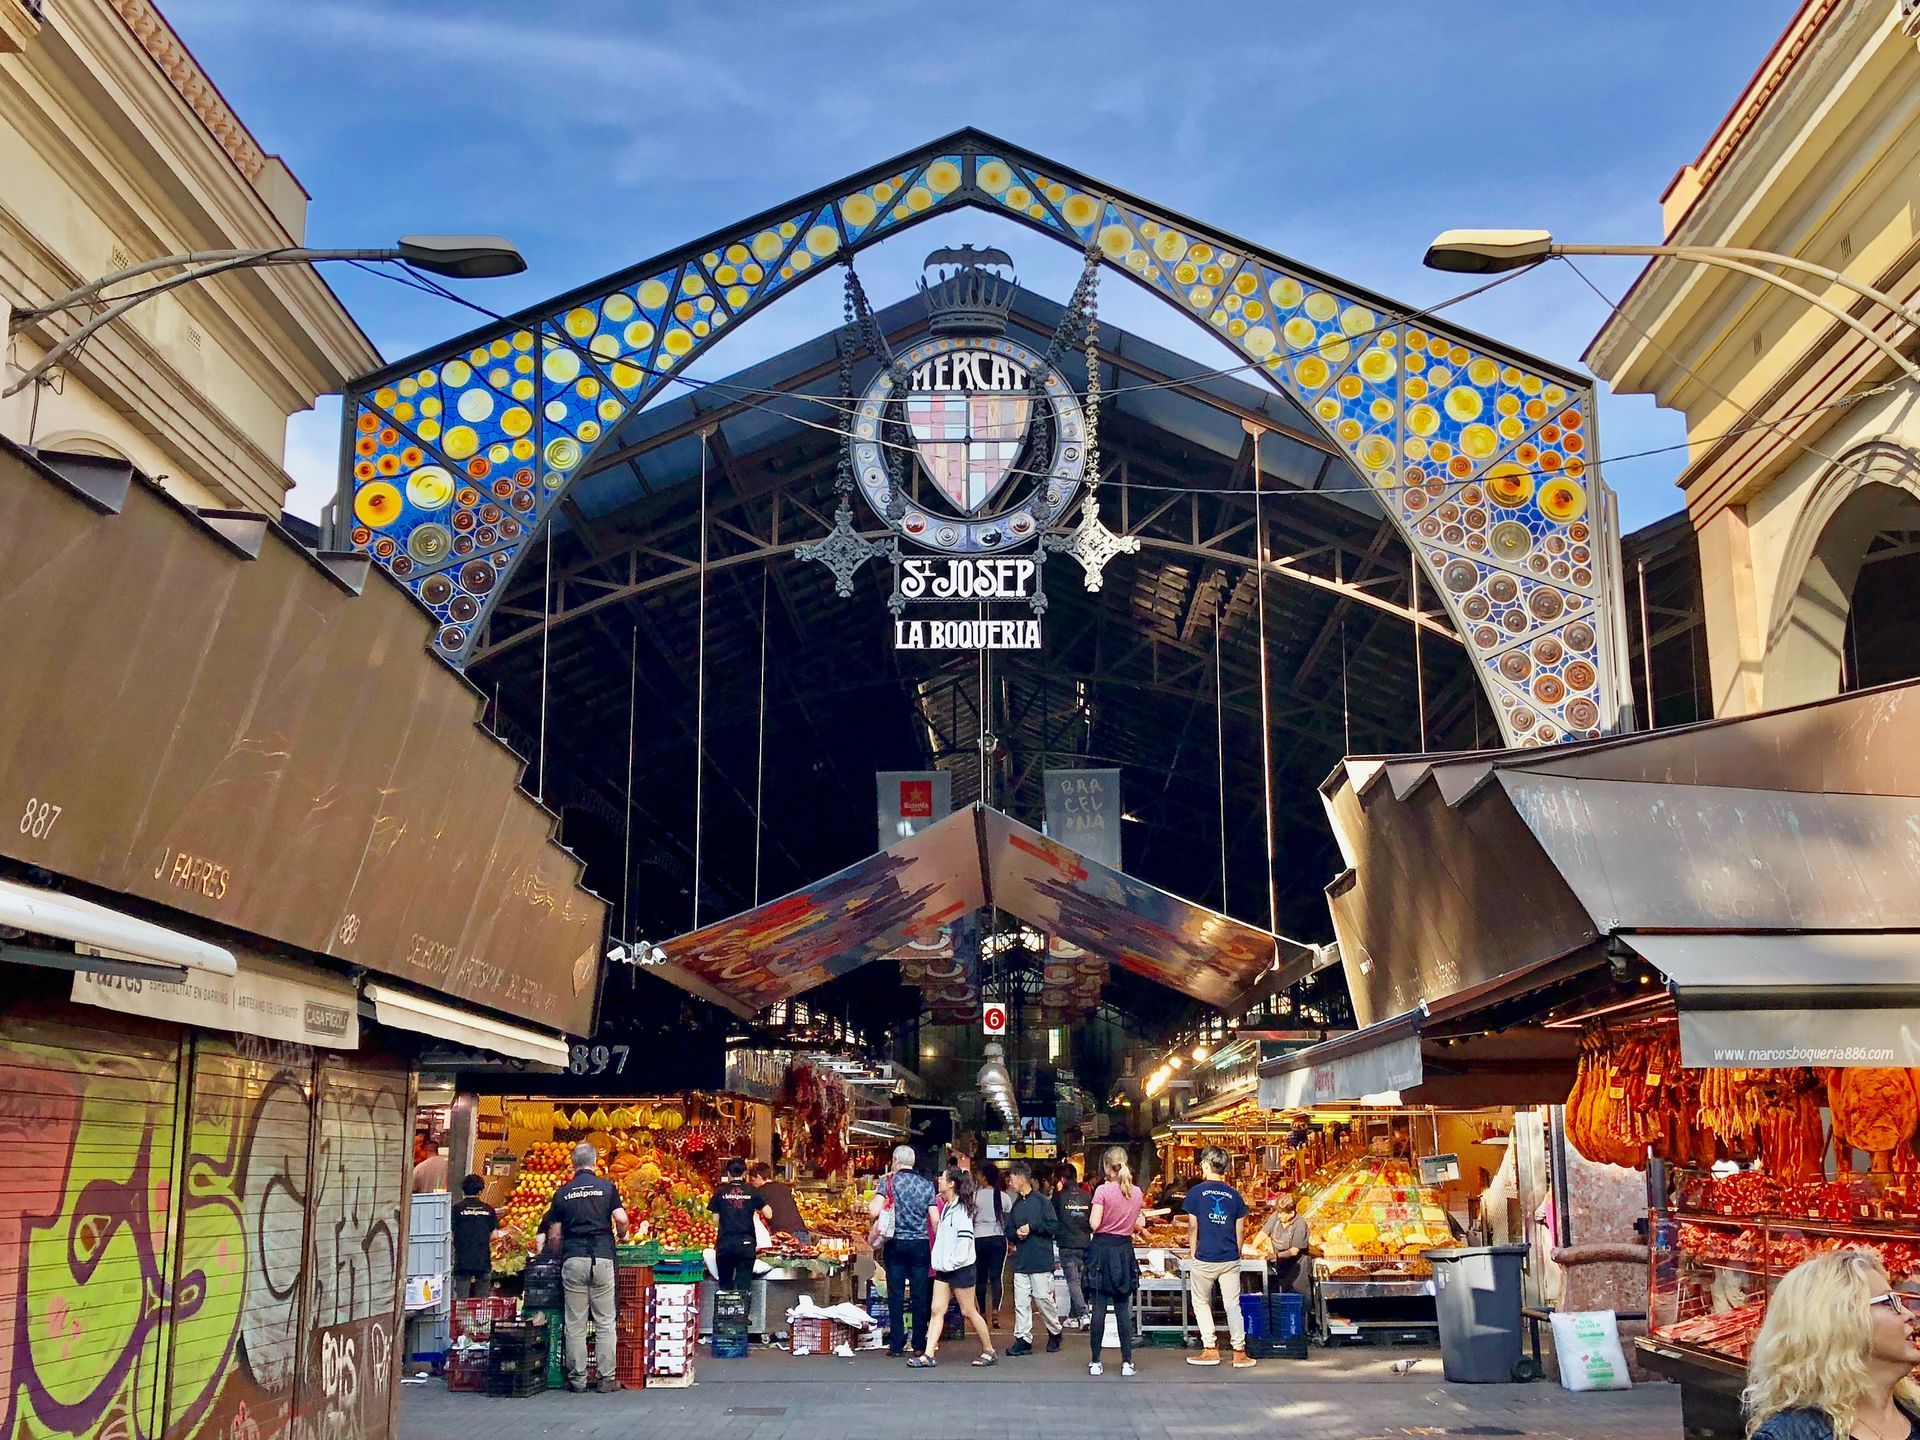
<point x="630" y="1366"/>
<point x="467" y="1369"/>
<point x="816" y="1335"/>
<point x="474" y="1319"/>
<point x="632" y="1280"/>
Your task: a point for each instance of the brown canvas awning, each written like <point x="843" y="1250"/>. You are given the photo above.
<point x="1464" y="869"/>
<point x="211" y="718"/>
<point x="973" y="858"/>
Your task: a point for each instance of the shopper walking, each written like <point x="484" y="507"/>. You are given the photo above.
<point x="990" y="1238"/>
<point x="899" y="1213"/>
<point x="734" y="1205"/>
<point x="1074" y="1207"/>
<point x="1113" y="1274"/>
<point x="1835" y="1355"/>
<point x="955" y="1269"/>
<point x="474" y="1222"/>
<point x="1216" y="1222"/>
<point x="1030" y="1226"/>
<point x="583" y="1220"/>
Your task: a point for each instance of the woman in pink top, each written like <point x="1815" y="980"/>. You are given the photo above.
<point x="1112" y="1273"/>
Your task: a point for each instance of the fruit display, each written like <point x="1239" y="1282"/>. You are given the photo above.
<point x="542" y="1170"/>
<point x="665" y="1196"/>
<point x="1374" y="1218"/>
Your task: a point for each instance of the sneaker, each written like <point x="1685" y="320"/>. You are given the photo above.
<point x="1126" y="1367"/>
<point x="1020" y="1347"/>
<point x="1053" y="1342"/>
<point x="1096" y="1368"/>
<point x="1243" y="1361"/>
<point x="1208" y="1356"/>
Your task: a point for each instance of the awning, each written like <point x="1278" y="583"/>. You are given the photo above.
<point x="462" y="1027"/>
<point x="1368" y="1066"/>
<point x="974" y="858"/>
<point x="1465" y="869"/>
<point x="121" y="943"/>
<point x="276" y="1000"/>
<point x="1761" y="1000"/>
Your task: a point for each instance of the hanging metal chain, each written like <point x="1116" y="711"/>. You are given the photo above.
<point x="1088" y="297"/>
<point x="860" y="312"/>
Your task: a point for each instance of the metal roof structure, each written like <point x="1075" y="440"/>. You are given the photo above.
<point x="1157" y="674"/>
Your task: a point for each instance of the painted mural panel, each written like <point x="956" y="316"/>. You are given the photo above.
<point x="88" y="1131"/>
<point x="356" y="1243"/>
<point x="281" y="1189"/>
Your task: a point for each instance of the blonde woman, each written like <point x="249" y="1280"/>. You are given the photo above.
<point x="1835" y="1356"/>
<point x="1112" y="1274"/>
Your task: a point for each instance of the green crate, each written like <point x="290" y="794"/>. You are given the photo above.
<point x="646" y="1252"/>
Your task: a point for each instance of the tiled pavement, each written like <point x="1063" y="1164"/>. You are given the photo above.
<point x="1336" y="1395"/>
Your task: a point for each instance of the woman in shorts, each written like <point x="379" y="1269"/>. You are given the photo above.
<point x="955" y="1269"/>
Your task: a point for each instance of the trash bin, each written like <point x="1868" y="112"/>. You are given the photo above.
<point x="1477" y="1294"/>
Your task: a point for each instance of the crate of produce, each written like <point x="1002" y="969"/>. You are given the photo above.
<point x="467" y="1368"/>
<point x="474" y="1319"/>
<point x="641" y="1252"/>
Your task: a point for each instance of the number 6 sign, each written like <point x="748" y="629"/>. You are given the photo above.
<point x="993" y="1018"/>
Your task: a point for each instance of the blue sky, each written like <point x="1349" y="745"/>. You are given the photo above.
<point x="596" y="133"/>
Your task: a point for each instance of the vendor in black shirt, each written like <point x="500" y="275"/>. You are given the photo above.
<point x="585" y="1214"/>
<point x="734" y="1205"/>
<point x="474" y="1222"/>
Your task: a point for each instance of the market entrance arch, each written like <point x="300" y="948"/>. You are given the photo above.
<point x="1483" y="457"/>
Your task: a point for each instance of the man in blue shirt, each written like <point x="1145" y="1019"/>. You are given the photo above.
<point x="1216" y="1217"/>
<point x="905" y="1197"/>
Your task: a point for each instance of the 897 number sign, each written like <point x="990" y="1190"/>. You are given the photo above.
<point x="598" y="1060"/>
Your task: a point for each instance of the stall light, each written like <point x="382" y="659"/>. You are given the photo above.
<point x="1174" y="1062"/>
<point x="1200" y="1052"/>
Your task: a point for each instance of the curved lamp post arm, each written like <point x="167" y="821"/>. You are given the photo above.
<point x="1779" y="282"/>
<point x="460" y="256"/>
<point x="215" y="259"/>
<point x="1711" y="253"/>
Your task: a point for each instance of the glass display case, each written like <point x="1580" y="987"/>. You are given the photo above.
<point x="1711" y="1274"/>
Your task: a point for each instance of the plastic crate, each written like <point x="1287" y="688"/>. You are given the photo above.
<point x="467" y="1369"/>
<point x="728" y="1347"/>
<point x="1268" y="1348"/>
<point x="430" y="1234"/>
<point x="644" y="1252"/>
<point x="427" y="1338"/>
<point x="1253" y="1316"/>
<point x="474" y="1319"/>
<point x="1286" y="1315"/>
<point x="632" y="1282"/>
<point x="680" y="1268"/>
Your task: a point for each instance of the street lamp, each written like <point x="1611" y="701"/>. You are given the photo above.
<point x="459" y="257"/>
<point x="1489" y="252"/>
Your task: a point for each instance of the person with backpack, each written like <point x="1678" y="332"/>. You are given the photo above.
<point x="1030" y="1226"/>
<point x="901" y="1245"/>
